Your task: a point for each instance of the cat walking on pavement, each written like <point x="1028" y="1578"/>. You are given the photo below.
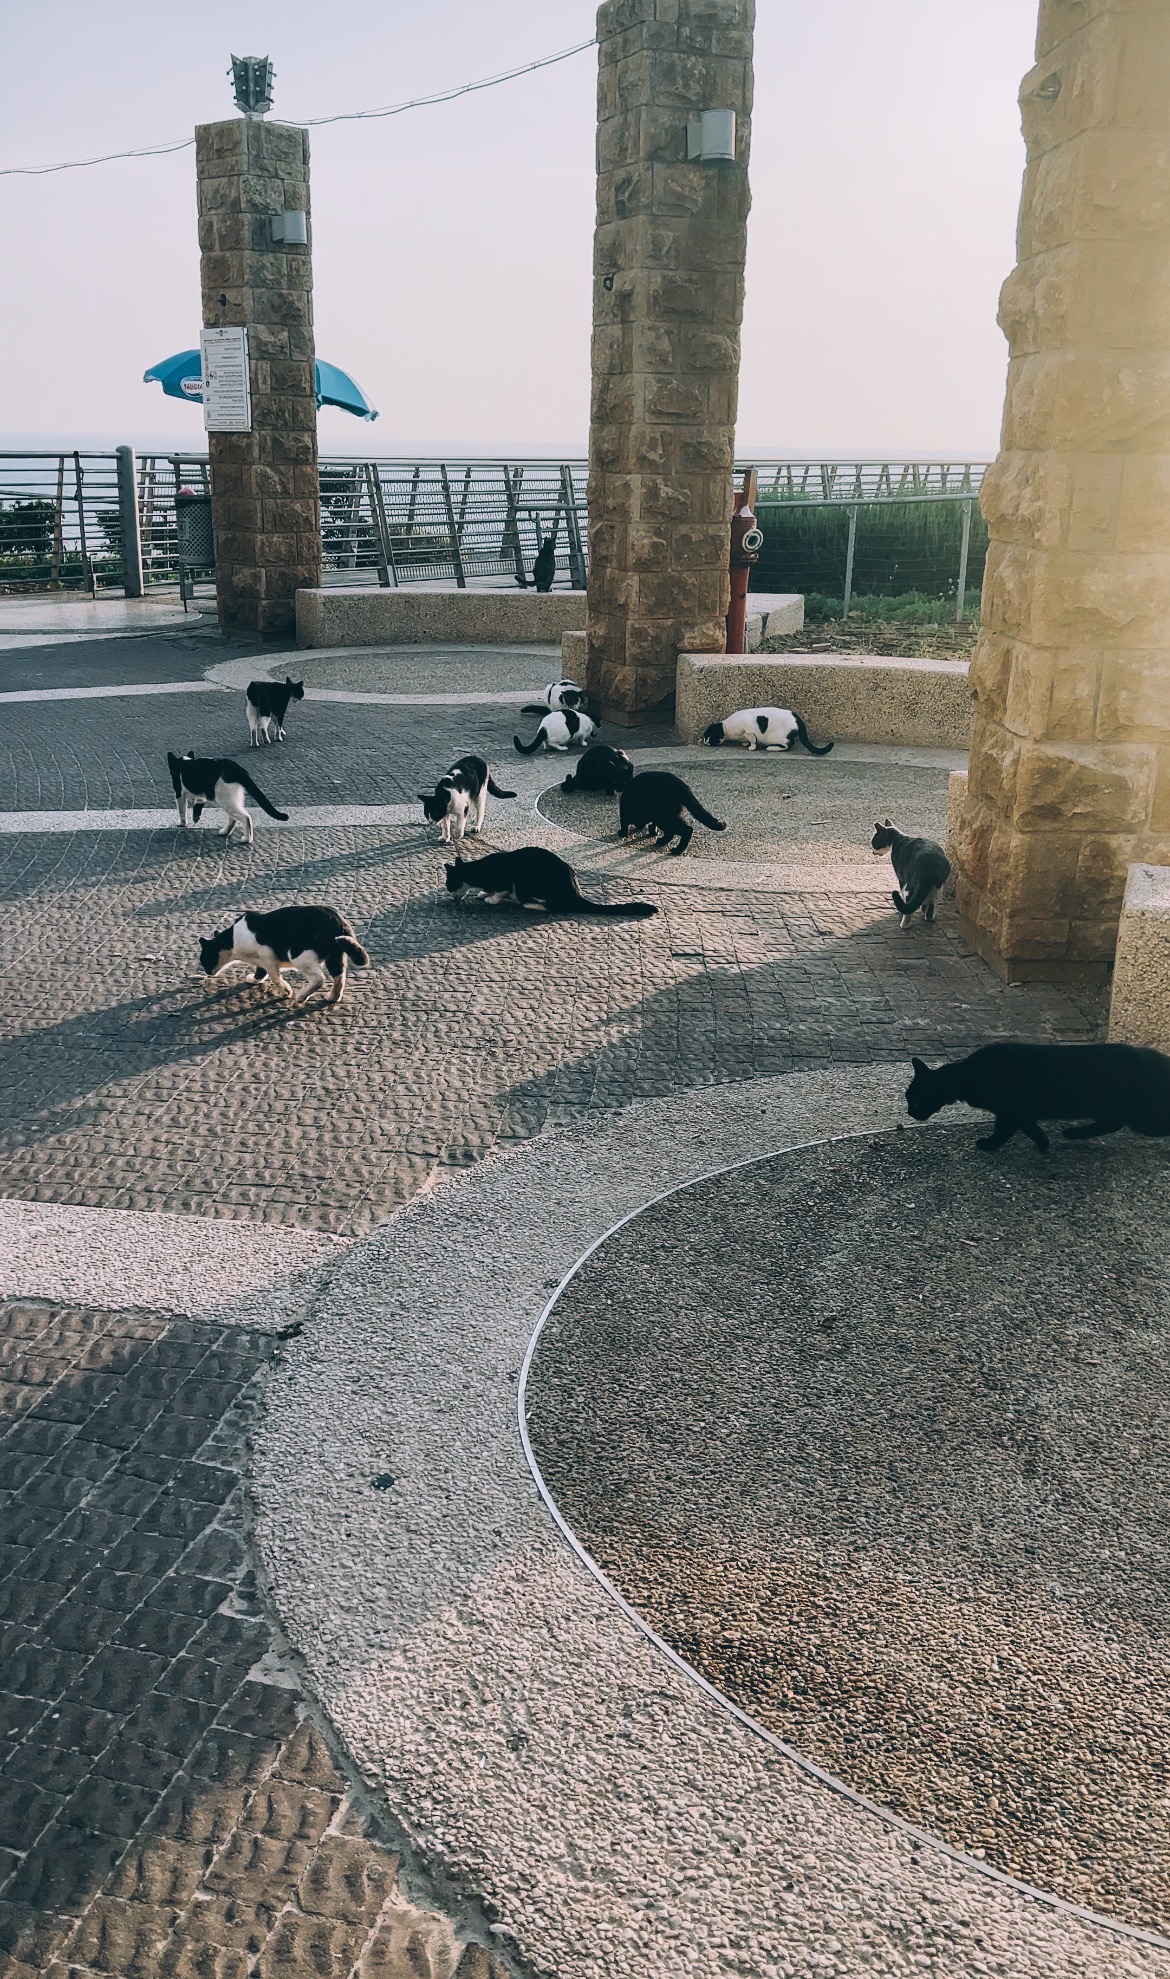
<point x="921" y="868"/>
<point x="202" y="780"/>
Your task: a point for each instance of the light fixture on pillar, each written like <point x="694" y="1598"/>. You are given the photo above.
<point x="711" y="136"/>
<point x="252" y="84"/>
<point x="291" y="228"/>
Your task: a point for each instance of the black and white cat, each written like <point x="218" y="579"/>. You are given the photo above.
<point x="763" y="728"/>
<point x="267" y="704"/>
<point x="317" y="942"/>
<point x="202" y="780"/>
<point x="558" y="695"/>
<point x="459" y="794"/>
<point x="1105" y="1086"/>
<point x="534" y="877"/>
<point x="921" y="868"/>
<point x="655" y="801"/>
<point x="601" y="768"/>
<point x="567" y="730"/>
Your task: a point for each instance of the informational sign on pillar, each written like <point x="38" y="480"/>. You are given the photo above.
<point x="227" y="397"/>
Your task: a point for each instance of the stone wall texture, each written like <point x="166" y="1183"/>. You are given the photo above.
<point x="668" y="299"/>
<point x="264" y="486"/>
<point x="1139" y="1012"/>
<point x="1070" y="766"/>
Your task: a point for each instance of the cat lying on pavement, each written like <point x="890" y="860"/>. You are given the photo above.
<point x="558" y="695"/>
<point x="1104" y="1086"/>
<point x="534" y="877"/>
<point x="317" y="942"/>
<point x="601" y="768"/>
<point x="921" y="868"/>
<point x="457" y="795"/>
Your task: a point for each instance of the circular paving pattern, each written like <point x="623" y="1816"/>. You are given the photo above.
<point x="874" y="1435"/>
<point x="778" y="809"/>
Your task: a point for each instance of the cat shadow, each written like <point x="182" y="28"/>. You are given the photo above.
<point x="47" y="1075"/>
<point x="294" y="876"/>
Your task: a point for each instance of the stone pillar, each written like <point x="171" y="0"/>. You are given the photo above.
<point x="266" y="506"/>
<point x="1070" y="765"/>
<point x="668" y="298"/>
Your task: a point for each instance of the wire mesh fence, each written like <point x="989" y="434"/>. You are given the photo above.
<point x="832" y="529"/>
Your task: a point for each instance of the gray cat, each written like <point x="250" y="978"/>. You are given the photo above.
<point x="921" y="867"/>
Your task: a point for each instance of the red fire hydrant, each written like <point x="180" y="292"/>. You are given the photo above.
<point x="747" y="540"/>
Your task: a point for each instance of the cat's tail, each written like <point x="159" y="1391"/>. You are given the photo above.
<point x="351" y="946"/>
<point x="909" y="903"/>
<point x="534" y="708"/>
<point x="802" y="734"/>
<point x="254" y="791"/>
<point x="494" y="787"/>
<point x="173" y="765"/>
<point x="530" y="748"/>
<point x="633" y="910"/>
<point x="704" y="817"/>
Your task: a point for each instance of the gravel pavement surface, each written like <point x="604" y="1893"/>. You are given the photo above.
<point x="887" y="1463"/>
<point x="131" y="1083"/>
<point x="535" y="1744"/>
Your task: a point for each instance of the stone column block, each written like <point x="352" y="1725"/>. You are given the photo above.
<point x="1070" y="766"/>
<point x="1139" y="1011"/>
<point x="264" y="484"/>
<point x="668" y="299"/>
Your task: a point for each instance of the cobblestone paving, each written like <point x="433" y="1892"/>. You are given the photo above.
<point x="168" y="1805"/>
<point x="129" y="1084"/>
<point x="178" y="654"/>
<point x="112" y="755"/>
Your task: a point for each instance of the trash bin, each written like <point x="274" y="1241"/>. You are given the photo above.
<point x="196" y="538"/>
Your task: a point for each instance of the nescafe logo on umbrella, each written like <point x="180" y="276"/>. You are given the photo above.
<point x="192" y="386"/>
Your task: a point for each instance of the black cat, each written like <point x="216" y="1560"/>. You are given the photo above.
<point x="656" y="800"/>
<point x="545" y="567"/>
<point x="267" y="704"/>
<point x="922" y="869"/>
<point x="601" y="768"/>
<point x="1106" y="1086"/>
<point x="534" y="877"/>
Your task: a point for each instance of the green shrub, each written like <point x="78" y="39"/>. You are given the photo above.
<point x="908" y="608"/>
<point x="902" y="549"/>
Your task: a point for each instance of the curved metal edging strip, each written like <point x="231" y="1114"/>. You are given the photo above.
<point x="922" y="1836"/>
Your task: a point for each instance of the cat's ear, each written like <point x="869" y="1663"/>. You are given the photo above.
<point x="919" y="1066"/>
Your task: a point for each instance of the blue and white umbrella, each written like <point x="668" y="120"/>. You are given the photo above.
<point x="181" y="377"/>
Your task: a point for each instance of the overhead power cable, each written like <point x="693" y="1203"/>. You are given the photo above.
<point x="342" y="117"/>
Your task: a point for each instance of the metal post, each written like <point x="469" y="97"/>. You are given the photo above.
<point x="58" y="527"/>
<point x="378" y="519"/>
<point x="964" y="550"/>
<point x="384" y="525"/>
<point x="511" y="545"/>
<point x="453" y="533"/>
<point x="86" y="565"/>
<point x="577" y="577"/>
<point x="128" y="518"/>
<point x="852" y="545"/>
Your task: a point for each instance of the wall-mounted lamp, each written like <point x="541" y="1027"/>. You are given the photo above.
<point x="291" y="228"/>
<point x="711" y="135"/>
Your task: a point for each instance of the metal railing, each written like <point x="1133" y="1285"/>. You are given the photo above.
<point x="393" y="522"/>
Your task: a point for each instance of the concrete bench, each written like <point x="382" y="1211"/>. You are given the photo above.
<point x="423" y="615"/>
<point x="1139" y="1012"/>
<point x="923" y="703"/>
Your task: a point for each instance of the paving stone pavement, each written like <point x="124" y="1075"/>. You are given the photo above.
<point x="133" y="1084"/>
<point x="169" y="1804"/>
<point x="179" y="653"/>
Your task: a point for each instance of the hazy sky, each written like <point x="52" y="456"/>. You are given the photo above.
<point x="453" y="245"/>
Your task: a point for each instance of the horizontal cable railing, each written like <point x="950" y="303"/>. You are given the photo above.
<point x="391" y="522"/>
